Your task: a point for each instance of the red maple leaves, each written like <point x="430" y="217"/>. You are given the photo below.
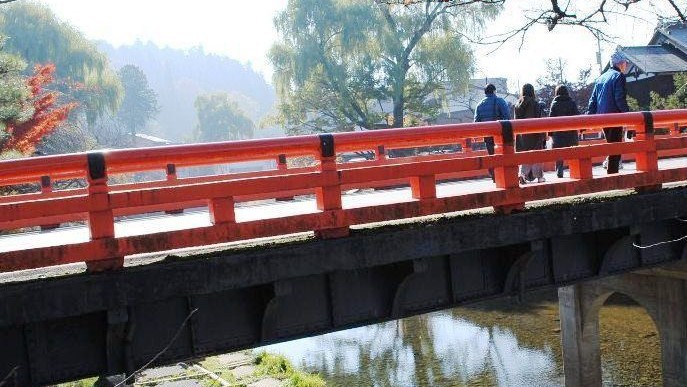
<point x="24" y="136"/>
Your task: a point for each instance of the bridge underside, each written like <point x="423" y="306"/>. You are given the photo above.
<point x="74" y="326"/>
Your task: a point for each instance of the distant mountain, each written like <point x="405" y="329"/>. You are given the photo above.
<point x="179" y="76"/>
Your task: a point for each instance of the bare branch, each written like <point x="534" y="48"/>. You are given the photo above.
<point x="680" y="14"/>
<point x="551" y="16"/>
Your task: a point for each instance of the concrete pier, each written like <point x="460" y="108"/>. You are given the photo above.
<point x="662" y="292"/>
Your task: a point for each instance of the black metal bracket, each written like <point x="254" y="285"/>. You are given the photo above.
<point x="96" y="165"/>
<point x="507" y="132"/>
<point x="282" y="159"/>
<point x="648" y="122"/>
<point x="171" y="169"/>
<point x="327" y="145"/>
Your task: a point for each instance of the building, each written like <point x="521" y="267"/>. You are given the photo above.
<point x="652" y="66"/>
<point x="142" y="140"/>
<point x="460" y="107"/>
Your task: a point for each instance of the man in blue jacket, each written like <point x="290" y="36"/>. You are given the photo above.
<point x="491" y="108"/>
<point x="610" y="96"/>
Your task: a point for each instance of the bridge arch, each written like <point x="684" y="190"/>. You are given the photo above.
<point x="580" y="305"/>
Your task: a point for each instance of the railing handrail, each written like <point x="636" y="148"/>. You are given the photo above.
<point x="139" y="159"/>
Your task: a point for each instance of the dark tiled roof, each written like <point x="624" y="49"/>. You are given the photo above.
<point x="673" y="33"/>
<point x="656" y="59"/>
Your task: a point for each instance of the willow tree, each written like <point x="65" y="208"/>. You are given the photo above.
<point x="221" y="119"/>
<point x="35" y="34"/>
<point x="347" y="63"/>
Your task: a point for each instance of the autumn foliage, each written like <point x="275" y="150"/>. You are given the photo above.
<point x="25" y="135"/>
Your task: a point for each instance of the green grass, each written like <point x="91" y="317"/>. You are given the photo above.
<point x="279" y="367"/>
<point x="80" y="383"/>
<point x="302" y="379"/>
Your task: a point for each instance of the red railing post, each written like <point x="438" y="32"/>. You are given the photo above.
<point x="380" y="154"/>
<point x="46" y="184"/>
<point x="281" y="163"/>
<point x="46" y="187"/>
<point x="100" y="215"/>
<point x="647" y="161"/>
<point x="222" y="210"/>
<point x="466" y="145"/>
<point x="171" y="176"/>
<point x="675" y="130"/>
<point x="282" y="166"/>
<point x="506" y="176"/>
<point x="423" y="187"/>
<point x="580" y="169"/>
<point x="328" y="196"/>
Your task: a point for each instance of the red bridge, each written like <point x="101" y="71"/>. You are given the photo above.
<point x="351" y="273"/>
<point x="330" y="214"/>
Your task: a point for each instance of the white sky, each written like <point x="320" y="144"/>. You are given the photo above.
<point x="243" y="30"/>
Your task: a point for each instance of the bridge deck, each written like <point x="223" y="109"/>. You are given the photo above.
<point x="251" y="211"/>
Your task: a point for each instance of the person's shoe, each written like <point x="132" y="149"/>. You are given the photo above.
<point x="522" y="180"/>
<point x="541" y="180"/>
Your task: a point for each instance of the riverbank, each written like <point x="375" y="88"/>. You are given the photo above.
<point x="240" y="369"/>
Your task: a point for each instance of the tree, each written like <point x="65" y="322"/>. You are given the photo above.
<point x="580" y="90"/>
<point x="140" y="102"/>
<point x="21" y="134"/>
<point x="676" y="100"/>
<point x="82" y="72"/>
<point x="219" y="119"/>
<point x="341" y="61"/>
<point x="14" y="92"/>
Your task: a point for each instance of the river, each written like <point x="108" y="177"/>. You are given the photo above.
<point x="497" y="343"/>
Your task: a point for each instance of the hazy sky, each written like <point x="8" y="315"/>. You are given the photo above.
<point x="243" y="30"/>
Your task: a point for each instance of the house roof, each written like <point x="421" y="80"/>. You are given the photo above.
<point x="674" y="34"/>
<point x="655" y="59"/>
<point x="153" y="139"/>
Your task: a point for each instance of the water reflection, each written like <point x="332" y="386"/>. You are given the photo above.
<point x="430" y="350"/>
<point x="497" y="343"/>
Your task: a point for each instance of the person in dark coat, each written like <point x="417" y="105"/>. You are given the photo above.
<point x="563" y="105"/>
<point x="491" y="108"/>
<point x="528" y="107"/>
<point x="610" y="96"/>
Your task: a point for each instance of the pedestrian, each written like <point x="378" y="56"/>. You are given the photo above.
<point x="563" y="105"/>
<point x="528" y="107"/>
<point x="491" y="108"/>
<point x="610" y="96"/>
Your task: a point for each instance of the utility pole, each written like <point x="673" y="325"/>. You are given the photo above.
<point x="598" y="53"/>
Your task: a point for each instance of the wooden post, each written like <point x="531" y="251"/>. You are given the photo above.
<point x="580" y="168"/>
<point x="100" y="215"/>
<point x="507" y="176"/>
<point x="380" y="154"/>
<point x="222" y="210"/>
<point x="171" y="172"/>
<point x="423" y="187"/>
<point x="46" y="187"/>
<point x="328" y="196"/>
<point x="647" y="161"/>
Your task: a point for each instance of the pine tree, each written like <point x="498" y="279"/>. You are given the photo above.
<point x="24" y="135"/>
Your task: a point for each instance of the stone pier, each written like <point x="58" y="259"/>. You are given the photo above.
<point x="661" y="291"/>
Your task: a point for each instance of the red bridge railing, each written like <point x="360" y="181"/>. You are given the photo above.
<point x="102" y="201"/>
